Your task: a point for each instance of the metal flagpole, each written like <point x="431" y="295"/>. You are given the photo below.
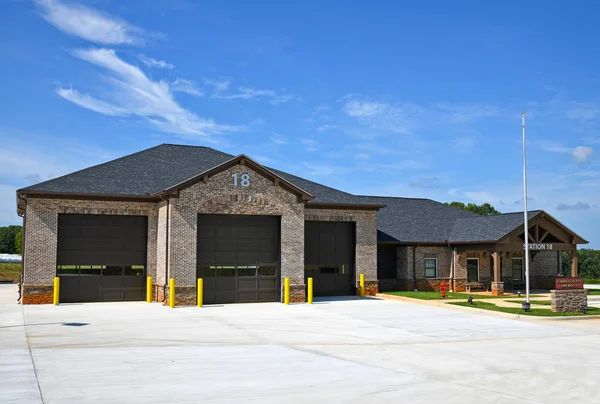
<point x="526" y="305"/>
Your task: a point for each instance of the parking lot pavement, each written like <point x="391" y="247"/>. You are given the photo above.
<point x="346" y="351"/>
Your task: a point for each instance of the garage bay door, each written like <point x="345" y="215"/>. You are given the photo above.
<point x="101" y="257"/>
<point x="238" y="258"/>
<point x="329" y="257"/>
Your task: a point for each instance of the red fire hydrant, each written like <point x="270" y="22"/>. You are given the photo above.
<point x="443" y="289"/>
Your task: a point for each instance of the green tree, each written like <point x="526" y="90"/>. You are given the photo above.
<point x="484" y="209"/>
<point x="588" y="263"/>
<point x="19" y="242"/>
<point x="7" y="239"/>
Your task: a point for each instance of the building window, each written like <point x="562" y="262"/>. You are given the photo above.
<point x="517" y="269"/>
<point x="431" y="268"/>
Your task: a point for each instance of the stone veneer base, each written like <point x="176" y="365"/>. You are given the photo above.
<point x="371" y="288"/>
<point x="569" y="300"/>
<point x="497" y="288"/>
<point x="37" y="294"/>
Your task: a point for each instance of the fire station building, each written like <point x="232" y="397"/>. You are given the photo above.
<point x="188" y="212"/>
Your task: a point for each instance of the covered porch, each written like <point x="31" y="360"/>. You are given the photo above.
<point x="499" y="265"/>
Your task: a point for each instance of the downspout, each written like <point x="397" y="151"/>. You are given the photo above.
<point x="451" y="268"/>
<point x="414" y="268"/>
<point x="452" y="265"/>
<point x="24" y="216"/>
<point x="166" y="251"/>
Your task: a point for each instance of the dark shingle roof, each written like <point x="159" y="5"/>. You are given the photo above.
<point x="407" y="220"/>
<point x="415" y="220"/>
<point x="322" y="193"/>
<point x="144" y="173"/>
<point x="488" y="228"/>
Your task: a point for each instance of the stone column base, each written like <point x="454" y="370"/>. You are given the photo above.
<point x="569" y="301"/>
<point x="497" y="288"/>
<point x="37" y="294"/>
<point x="371" y="288"/>
<point x="297" y="293"/>
<point x="184" y="295"/>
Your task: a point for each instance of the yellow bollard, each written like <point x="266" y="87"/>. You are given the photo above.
<point x="149" y="289"/>
<point x="286" y="291"/>
<point x="362" y="285"/>
<point x="200" y="291"/>
<point x="310" y="290"/>
<point x="172" y="292"/>
<point x="56" y="296"/>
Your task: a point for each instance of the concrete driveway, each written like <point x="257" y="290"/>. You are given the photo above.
<point x="346" y="351"/>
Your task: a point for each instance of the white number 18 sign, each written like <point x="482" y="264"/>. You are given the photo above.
<point x="244" y="180"/>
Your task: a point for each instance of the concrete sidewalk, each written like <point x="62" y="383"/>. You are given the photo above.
<point x="335" y="351"/>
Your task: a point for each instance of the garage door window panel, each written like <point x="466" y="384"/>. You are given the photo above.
<point x="267" y="270"/>
<point x="88" y="270"/>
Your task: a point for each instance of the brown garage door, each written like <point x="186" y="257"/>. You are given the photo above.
<point x="237" y="257"/>
<point x="102" y="257"/>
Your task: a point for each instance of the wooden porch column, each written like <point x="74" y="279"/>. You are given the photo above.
<point x="574" y="269"/>
<point x="497" y="284"/>
<point x="497" y="277"/>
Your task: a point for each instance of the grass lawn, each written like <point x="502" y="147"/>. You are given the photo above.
<point x="541" y="302"/>
<point x="593" y="291"/>
<point x="438" y="296"/>
<point x="532" y="312"/>
<point x="10" y="271"/>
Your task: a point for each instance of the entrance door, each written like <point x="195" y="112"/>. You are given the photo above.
<point x="237" y="257"/>
<point x="472" y="270"/>
<point x="101" y="257"/>
<point x="329" y="257"/>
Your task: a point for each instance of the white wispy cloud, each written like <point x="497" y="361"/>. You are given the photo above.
<point x="248" y="93"/>
<point x="130" y="92"/>
<point x="325" y="170"/>
<point x="89" y="23"/>
<point x="575" y="206"/>
<point x="380" y="116"/>
<point x="324" y="128"/>
<point x="426" y="182"/>
<point x="186" y="86"/>
<point x="581" y="153"/>
<point x="278" y="139"/>
<point x="218" y="86"/>
<point x="465" y="144"/>
<point x="92" y="103"/>
<point x="363" y="109"/>
<point x="464" y="112"/>
<point x="310" y="145"/>
<point x="154" y="63"/>
<point x="584" y="111"/>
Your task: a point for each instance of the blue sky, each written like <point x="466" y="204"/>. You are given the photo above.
<point x="415" y="99"/>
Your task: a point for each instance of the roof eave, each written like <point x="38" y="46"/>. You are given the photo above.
<point x="336" y="205"/>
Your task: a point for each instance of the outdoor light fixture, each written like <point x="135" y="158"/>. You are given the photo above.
<point x="470" y="299"/>
<point x="519" y="293"/>
<point x="585" y="309"/>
